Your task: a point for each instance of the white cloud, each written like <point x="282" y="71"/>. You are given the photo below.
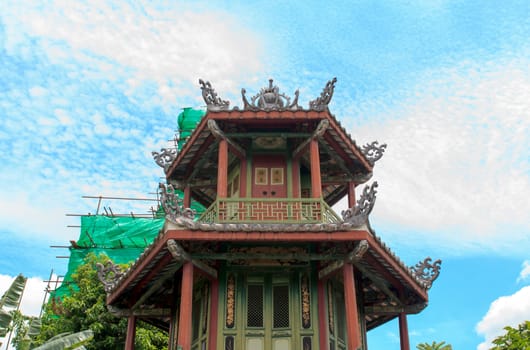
<point x="525" y="272"/>
<point x="508" y="310"/>
<point x="457" y="161"/>
<point x="175" y="45"/>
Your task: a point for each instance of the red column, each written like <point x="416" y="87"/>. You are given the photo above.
<point x="322" y="316"/>
<point x="316" y="182"/>
<point x="296" y="178"/>
<point x="403" y="332"/>
<point x="351" y="194"/>
<point x="352" y="317"/>
<point x="222" y="170"/>
<point x="187" y="197"/>
<point x="214" y="302"/>
<point x="186" y="300"/>
<point x="131" y="333"/>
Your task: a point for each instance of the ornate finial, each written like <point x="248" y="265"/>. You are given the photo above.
<point x="359" y="214"/>
<point x="172" y="205"/>
<point x="373" y="152"/>
<point x="269" y="98"/>
<point x="109" y="274"/>
<point x="426" y="272"/>
<point x="165" y="158"/>
<point x="321" y="103"/>
<point x="213" y="102"/>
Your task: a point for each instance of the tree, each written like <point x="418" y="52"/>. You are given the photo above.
<point x="514" y="339"/>
<point x="85" y="309"/>
<point x="11" y="320"/>
<point x="434" y="346"/>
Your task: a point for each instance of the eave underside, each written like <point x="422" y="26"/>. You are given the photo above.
<point x="148" y="289"/>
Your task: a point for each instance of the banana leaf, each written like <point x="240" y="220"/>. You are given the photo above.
<point x="12" y="296"/>
<point x="66" y="341"/>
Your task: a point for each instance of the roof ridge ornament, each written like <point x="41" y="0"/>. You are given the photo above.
<point x="321" y="103"/>
<point x="373" y="152"/>
<point x="427" y="272"/>
<point x="172" y="205"/>
<point x="270" y="98"/>
<point x="213" y="101"/>
<point x="165" y="158"/>
<point x="358" y="215"/>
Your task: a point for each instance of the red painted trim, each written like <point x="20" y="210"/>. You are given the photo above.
<point x="403" y="332"/>
<point x="137" y="291"/>
<point x="322" y="315"/>
<point x="340" y="236"/>
<point x="316" y="182"/>
<point x="214" y="312"/>
<point x="186" y="301"/>
<point x="397" y="267"/>
<point x="131" y="333"/>
<point x="352" y="317"/>
<point x="222" y="170"/>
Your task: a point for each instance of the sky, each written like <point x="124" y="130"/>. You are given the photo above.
<point x="89" y="88"/>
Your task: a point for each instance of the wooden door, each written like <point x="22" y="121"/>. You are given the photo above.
<point x="269" y="178"/>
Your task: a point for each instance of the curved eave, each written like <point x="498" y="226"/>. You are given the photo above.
<point x="156" y="261"/>
<point x="336" y="138"/>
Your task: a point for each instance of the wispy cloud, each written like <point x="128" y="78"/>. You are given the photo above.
<point x="457" y="165"/>
<point x="91" y="89"/>
<point x="525" y="272"/>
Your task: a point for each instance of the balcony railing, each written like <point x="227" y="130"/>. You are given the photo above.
<point x="270" y="210"/>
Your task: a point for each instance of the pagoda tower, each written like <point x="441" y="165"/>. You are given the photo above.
<point x="268" y="264"/>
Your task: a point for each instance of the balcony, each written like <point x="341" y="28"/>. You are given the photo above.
<point x="270" y="210"/>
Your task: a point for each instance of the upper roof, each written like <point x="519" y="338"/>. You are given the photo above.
<point x="271" y="119"/>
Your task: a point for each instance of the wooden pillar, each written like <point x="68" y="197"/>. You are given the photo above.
<point x="351" y="194"/>
<point x="352" y="318"/>
<point x="296" y="178"/>
<point x="186" y="301"/>
<point x="187" y="197"/>
<point x="174" y="317"/>
<point x="222" y="169"/>
<point x="316" y="182"/>
<point x="243" y="179"/>
<point x="214" y="310"/>
<point x="131" y="333"/>
<point x="322" y="315"/>
<point x="403" y="332"/>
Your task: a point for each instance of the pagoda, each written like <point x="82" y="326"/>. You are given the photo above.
<point x="268" y="264"/>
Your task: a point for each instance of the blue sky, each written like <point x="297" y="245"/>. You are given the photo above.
<point x="89" y="89"/>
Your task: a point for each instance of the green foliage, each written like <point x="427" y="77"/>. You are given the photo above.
<point x="514" y="339"/>
<point x="434" y="346"/>
<point x="85" y="308"/>
<point x="9" y="304"/>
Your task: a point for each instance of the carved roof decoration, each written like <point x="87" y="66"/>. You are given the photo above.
<point x="267" y="99"/>
<point x="373" y="152"/>
<point x="427" y="272"/>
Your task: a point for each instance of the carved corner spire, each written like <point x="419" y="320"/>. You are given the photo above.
<point x="165" y="158"/>
<point x="358" y="215"/>
<point x="373" y="152"/>
<point x="427" y="272"/>
<point x="109" y="274"/>
<point x="269" y="98"/>
<point x="173" y="207"/>
<point x="321" y="103"/>
<point x="213" y="102"/>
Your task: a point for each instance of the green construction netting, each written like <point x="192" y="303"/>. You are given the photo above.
<point x="122" y="239"/>
<point x="187" y="122"/>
